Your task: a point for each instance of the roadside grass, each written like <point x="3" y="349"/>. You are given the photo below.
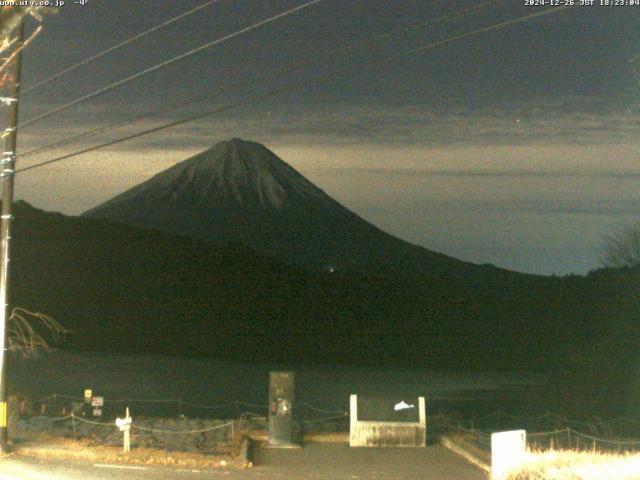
<point x="42" y="445"/>
<point x="577" y="465"/>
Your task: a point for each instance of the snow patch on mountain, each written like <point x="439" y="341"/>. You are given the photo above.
<point x="234" y="173"/>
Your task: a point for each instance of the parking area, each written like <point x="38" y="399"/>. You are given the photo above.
<point x="339" y="461"/>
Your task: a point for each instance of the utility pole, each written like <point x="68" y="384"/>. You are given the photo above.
<point x="7" y="171"/>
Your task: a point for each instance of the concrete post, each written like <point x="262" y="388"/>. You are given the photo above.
<point x="422" y="411"/>
<point x="507" y="452"/>
<point x="353" y="411"/>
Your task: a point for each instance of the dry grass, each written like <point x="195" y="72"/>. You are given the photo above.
<point x="572" y="465"/>
<point x="42" y="445"/>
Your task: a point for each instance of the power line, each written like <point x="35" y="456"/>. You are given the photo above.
<point x="489" y="28"/>
<point x="289" y="88"/>
<point x="255" y="80"/>
<point x="130" y="121"/>
<point x="166" y="63"/>
<point x="292" y="87"/>
<point x="119" y="45"/>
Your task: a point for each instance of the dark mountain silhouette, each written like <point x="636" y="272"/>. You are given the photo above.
<point x="241" y="192"/>
<point x="128" y="289"/>
<point x="124" y="289"/>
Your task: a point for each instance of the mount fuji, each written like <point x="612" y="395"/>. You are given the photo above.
<point x="241" y="192"/>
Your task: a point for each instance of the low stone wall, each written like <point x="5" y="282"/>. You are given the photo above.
<point x="367" y="433"/>
<point x="387" y="434"/>
<point x="205" y="436"/>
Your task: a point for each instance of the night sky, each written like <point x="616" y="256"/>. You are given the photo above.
<point x="517" y="146"/>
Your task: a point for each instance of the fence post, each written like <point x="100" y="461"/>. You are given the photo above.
<point x="568" y="438"/>
<point x="124" y="424"/>
<point x="127" y="441"/>
<point x="235" y="443"/>
<point x="73" y="422"/>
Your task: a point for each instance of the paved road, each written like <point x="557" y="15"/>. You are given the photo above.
<point x="338" y="461"/>
<point x="23" y="468"/>
<point x="315" y="461"/>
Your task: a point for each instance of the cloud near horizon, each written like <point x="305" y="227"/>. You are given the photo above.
<point x="472" y="184"/>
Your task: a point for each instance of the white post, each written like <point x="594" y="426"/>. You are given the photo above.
<point x="422" y="411"/>
<point x="124" y="424"/>
<point x="353" y="420"/>
<point x="353" y="414"/>
<point x="127" y="443"/>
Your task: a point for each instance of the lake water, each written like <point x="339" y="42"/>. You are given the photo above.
<point x="154" y="385"/>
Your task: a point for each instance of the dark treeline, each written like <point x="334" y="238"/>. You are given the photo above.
<point x="128" y="290"/>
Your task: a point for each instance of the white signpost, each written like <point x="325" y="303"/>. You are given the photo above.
<point x="507" y="451"/>
<point x="124" y="424"/>
<point x="97" y="403"/>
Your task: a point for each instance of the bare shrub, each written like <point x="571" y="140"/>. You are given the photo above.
<point x="23" y="329"/>
<point x="622" y="248"/>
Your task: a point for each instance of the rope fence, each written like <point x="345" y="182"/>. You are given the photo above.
<point x="564" y="433"/>
<point x="90" y="422"/>
<point x="182" y="432"/>
<point x="559" y="439"/>
<point x="548" y="421"/>
<point x="192" y="435"/>
<point x="164" y="433"/>
<point x="570" y="439"/>
<point x="304" y="409"/>
<point x="62" y="404"/>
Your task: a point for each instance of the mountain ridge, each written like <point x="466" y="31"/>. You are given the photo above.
<point x="240" y="191"/>
<point x="221" y="171"/>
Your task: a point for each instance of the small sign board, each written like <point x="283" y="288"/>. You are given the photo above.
<point x="88" y="395"/>
<point x="97" y="402"/>
<point x="124" y="424"/>
<point x="97" y="412"/>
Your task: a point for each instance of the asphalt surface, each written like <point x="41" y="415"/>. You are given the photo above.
<point x="315" y="461"/>
<point x="339" y="461"/>
<point x="24" y="468"/>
